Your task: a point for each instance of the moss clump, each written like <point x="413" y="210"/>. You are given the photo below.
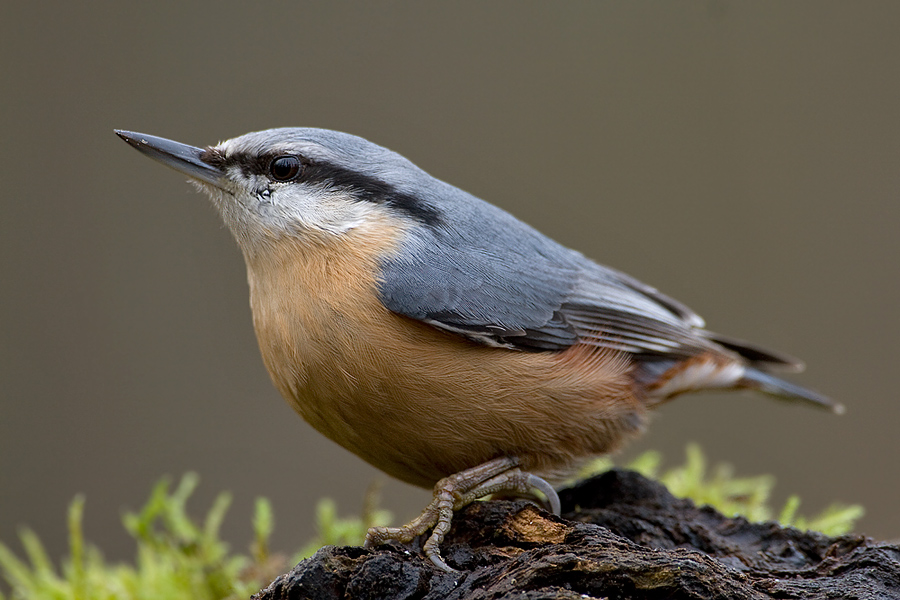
<point x="177" y="557"/>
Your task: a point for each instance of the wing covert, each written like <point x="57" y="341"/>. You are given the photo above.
<point x="498" y="296"/>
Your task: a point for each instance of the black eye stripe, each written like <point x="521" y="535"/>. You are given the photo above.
<point x="318" y="172"/>
<point x="369" y="189"/>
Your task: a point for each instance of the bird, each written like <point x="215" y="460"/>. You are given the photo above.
<point x="438" y="337"/>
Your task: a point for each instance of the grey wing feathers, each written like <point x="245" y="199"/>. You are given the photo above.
<point x="491" y="298"/>
<point x="496" y="280"/>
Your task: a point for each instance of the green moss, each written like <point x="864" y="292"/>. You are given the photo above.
<point x="176" y="558"/>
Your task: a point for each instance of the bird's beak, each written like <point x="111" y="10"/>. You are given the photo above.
<point x="181" y="157"/>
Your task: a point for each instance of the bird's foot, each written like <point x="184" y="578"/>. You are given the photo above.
<point x="453" y="493"/>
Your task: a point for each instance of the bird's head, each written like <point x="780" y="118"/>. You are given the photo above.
<point x="310" y="184"/>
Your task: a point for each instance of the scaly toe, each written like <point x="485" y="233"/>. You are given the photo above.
<point x="456" y="491"/>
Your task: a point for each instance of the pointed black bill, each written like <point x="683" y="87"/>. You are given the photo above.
<point x="181" y="157"/>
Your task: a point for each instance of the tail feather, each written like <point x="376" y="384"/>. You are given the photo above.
<point x="769" y="384"/>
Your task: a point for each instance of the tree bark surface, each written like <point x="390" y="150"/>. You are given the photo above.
<point x="621" y="536"/>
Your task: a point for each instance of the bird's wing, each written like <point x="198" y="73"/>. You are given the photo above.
<point x="516" y="288"/>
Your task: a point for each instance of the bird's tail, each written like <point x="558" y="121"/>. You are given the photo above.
<point x="755" y="379"/>
<point x="662" y="380"/>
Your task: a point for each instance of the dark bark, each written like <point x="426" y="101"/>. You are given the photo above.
<point x="621" y="536"/>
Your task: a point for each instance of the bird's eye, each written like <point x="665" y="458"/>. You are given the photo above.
<point x="285" y="168"/>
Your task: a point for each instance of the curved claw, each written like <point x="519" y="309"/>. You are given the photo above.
<point x="535" y="482"/>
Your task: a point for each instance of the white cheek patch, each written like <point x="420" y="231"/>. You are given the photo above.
<point x="256" y="209"/>
<point x="322" y="209"/>
<point x="708" y="374"/>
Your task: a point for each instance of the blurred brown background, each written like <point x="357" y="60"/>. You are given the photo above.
<point x="740" y="156"/>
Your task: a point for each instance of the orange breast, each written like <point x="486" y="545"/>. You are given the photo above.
<point x="414" y="401"/>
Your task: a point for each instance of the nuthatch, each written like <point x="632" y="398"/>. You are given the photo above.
<point x="438" y="337"/>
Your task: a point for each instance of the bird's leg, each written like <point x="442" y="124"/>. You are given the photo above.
<point x="453" y="493"/>
<point x="446" y="493"/>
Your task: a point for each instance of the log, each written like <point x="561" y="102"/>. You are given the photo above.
<point x="620" y="536"/>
